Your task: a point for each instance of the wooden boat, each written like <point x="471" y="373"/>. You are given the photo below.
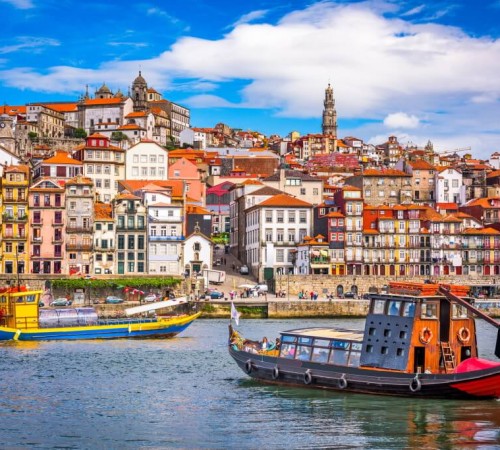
<point x="22" y="319"/>
<point x="419" y="340"/>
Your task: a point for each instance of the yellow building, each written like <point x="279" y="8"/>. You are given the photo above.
<point x="15" y="230"/>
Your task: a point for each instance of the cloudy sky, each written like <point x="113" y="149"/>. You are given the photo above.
<point x="418" y="70"/>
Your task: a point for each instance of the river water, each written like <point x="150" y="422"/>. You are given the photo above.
<point x="187" y="393"/>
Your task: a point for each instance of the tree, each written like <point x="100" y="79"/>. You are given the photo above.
<point x="80" y="133"/>
<point x="118" y="136"/>
<point x="32" y="136"/>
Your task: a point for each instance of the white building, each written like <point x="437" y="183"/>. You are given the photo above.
<point x="146" y="161"/>
<point x="197" y="252"/>
<point x="449" y="186"/>
<point x="165" y="239"/>
<point x="274" y="228"/>
<point x="108" y="113"/>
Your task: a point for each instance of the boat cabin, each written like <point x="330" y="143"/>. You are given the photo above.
<point x="19" y="308"/>
<point x="413" y="328"/>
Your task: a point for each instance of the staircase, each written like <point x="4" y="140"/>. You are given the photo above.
<point x="448" y="357"/>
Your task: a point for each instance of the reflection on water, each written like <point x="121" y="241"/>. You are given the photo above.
<point x="187" y="393"/>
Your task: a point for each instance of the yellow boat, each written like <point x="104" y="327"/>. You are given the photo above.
<point x="22" y="319"/>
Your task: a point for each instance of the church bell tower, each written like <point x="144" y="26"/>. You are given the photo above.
<point x="140" y="93"/>
<point x="329" y="125"/>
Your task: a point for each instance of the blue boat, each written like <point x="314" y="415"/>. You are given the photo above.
<point x="22" y="319"/>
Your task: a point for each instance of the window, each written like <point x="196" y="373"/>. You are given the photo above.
<point x="280" y="255"/>
<point x="291" y="216"/>
<point x="302" y="191"/>
<point x="269" y="235"/>
<point x="302" y="216"/>
<point x="429" y="311"/>
<point x="280" y="216"/>
<point x="269" y="216"/>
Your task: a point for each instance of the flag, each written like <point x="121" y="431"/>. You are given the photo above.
<point x="235" y="314"/>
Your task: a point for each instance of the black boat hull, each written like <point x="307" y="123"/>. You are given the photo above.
<point x="480" y="384"/>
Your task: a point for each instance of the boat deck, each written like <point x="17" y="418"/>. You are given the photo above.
<point x="328" y="333"/>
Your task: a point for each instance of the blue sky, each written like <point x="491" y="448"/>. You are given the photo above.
<point x="418" y="70"/>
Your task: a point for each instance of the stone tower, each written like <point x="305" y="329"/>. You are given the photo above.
<point x="139" y="93"/>
<point x="329" y="125"/>
<point x="7" y="139"/>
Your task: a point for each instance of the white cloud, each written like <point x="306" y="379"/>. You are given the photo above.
<point x="209" y="101"/>
<point x="401" y="120"/>
<point x="250" y="17"/>
<point x="376" y="64"/>
<point x="20" y="4"/>
<point x="413" y="11"/>
<point x="29" y="43"/>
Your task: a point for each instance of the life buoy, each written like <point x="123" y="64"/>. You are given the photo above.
<point x="463" y="335"/>
<point x="342" y="382"/>
<point x="276" y="373"/>
<point x="425" y="335"/>
<point x="308" y="377"/>
<point x="2" y="312"/>
<point x="248" y="366"/>
<point x="415" y="384"/>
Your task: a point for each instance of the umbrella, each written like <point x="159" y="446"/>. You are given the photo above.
<point x="246" y="286"/>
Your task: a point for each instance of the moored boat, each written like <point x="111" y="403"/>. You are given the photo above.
<point x="22" y="319"/>
<point x="419" y="340"/>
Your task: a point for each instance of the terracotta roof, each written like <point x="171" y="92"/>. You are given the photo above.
<point x="134" y="185"/>
<point x="79" y="179"/>
<point x="98" y="136"/>
<point x="137" y="114"/>
<point x="284" y="200"/>
<point x="335" y="214"/>
<point x="63" y="107"/>
<point x="421" y="164"/>
<point x="130" y="126"/>
<point x="195" y="209"/>
<point x="495" y="173"/>
<point x="447" y="206"/>
<point x="62" y="157"/>
<point x="102" y="211"/>
<point x="19" y="168"/>
<point x="252" y="182"/>
<point x="482" y="231"/>
<point x="266" y="190"/>
<point x="125" y="195"/>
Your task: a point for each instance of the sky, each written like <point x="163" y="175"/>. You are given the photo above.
<point x="418" y="70"/>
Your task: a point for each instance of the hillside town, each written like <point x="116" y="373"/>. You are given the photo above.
<point x="121" y="184"/>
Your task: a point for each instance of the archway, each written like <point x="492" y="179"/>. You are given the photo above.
<point x="340" y="290"/>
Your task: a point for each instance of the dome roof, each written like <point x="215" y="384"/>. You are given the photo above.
<point x="104" y="89"/>
<point x="119" y="94"/>
<point x="139" y="79"/>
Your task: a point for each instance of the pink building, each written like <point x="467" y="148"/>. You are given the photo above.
<point x="183" y="169"/>
<point x="46" y="207"/>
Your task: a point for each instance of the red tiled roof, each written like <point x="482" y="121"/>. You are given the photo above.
<point x="284" y="200"/>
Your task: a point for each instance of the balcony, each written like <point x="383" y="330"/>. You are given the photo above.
<point x="165" y="238"/>
<point x="57" y="240"/>
<point x="320" y="260"/>
<point x="57" y="223"/>
<point x="36" y="239"/>
<point x="79" y="247"/>
<point x="99" y="248"/>
<point x="130" y="228"/>
<point x="12" y="218"/>
<point x="15" y="236"/>
<point x="78" y="229"/>
<point x="36" y="222"/>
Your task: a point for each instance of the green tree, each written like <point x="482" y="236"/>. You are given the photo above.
<point x="32" y="136"/>
<point x="118" y="136"/>
<point x="80" y="133"/>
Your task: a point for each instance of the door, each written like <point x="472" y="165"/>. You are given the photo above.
<point x="121" y="267"/>
<point x="419" y="360"/>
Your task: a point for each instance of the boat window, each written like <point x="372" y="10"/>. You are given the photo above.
<point x="303" y="353"/>
<point x="429" y="310"/>
<point x="320" y="354"/>
<point x="408" y="309"/>
<point x="287" y="351"/>
<point x="3" y="299"/>
<point x="30" y="298"/>
<point x="305" y="340"/>
<point x="356" y="346"/>
<point x="394" y="307"/>
<point x="340" y="344"/>
<point x="354" y="359"/>
<point x="288" y="338"/>
<point x="458" y="312"/>
<point x="378" y="306"/>
<point x="322" y="342"/>
<point x="338" y="356"/>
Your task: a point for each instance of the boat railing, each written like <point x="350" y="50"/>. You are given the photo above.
<point x="126" y="321"/>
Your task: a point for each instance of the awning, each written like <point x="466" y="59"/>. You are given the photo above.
<point x="315" y="253"/>
<point x="324" y="252"/>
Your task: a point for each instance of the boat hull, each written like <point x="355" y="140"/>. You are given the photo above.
<point x="480" y="384"/>
<point x="161" y="328"/>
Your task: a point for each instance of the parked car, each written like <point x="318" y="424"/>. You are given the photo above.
<point x="151" y="298"/>
<point x="62" y="301"/>
<point x="114" y="299"/>
<point x="244" y="270"/>
<point x="215" y="294"/>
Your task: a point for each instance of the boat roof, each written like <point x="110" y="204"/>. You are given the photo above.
<point x="327" y="333"/>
